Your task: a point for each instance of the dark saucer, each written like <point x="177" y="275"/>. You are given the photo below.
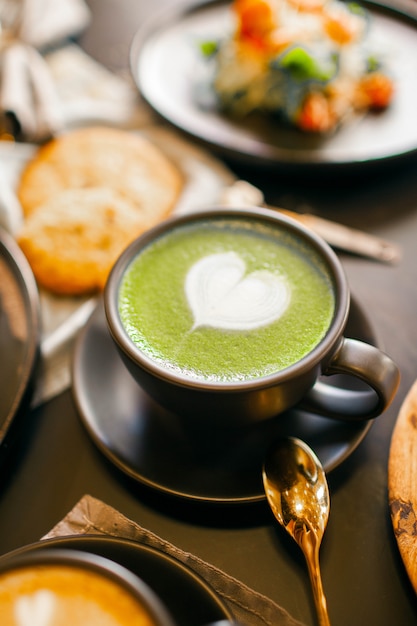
<point x="189" y="599"/>
<point x="155" y="448"/>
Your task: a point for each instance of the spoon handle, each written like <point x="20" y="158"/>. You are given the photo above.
<point x="315" y="577"/>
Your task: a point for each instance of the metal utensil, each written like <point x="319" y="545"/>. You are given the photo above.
<point x="337" y="235"/>
<point x="297" y="492"/>
<point x="348" y="239"/>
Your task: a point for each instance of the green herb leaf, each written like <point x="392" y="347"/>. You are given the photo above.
<point x="357" y="9"/>
<point x="302" y="66"/>
<point x="208" y="48"/>
<point x="372" y="63"/>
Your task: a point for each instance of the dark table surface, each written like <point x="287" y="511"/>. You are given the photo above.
<point x="55" y="462"/>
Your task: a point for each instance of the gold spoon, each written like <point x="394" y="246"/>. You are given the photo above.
<point x="297" y="492"/>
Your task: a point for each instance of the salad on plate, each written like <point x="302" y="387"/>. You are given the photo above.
<point x="310" y="63"/>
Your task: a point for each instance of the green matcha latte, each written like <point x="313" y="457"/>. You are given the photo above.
<point x="226" y="300"/>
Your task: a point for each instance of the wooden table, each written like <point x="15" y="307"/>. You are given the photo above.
<point x="56" y="462"/>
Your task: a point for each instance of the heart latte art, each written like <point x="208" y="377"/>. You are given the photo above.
<point x="222" y="295"/>
<point x="55" y="594"/>
<point x="226" y="300"/>
<point x="36" y="609"/>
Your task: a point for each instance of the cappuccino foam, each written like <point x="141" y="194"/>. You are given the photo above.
<point x="61" y="595"/>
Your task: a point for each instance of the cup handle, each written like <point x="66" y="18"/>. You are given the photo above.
<point x="363" y="361"/>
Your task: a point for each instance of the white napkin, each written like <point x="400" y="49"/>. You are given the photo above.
<point x="88" y="93"/>
<point x="27" y="89"/>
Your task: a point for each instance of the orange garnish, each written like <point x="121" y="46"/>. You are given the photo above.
<point x="377" y="90"/>
<point x="255" y="18"/>
<point x="308" y="6"/>
<point x="342" y="27"/>
<point x="316" y="114"/>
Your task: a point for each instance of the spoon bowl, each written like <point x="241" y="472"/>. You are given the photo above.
<point x="296" y="490"/>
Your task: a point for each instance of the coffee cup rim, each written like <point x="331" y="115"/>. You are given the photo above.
<point x="305" y="364"/>
<point x="99" y="564"/>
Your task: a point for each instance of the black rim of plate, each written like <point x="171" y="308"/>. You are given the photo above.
<point x="160" y="568"/>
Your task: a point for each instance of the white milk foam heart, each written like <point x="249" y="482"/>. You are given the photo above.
<point x="36" y="609"/>
<point x="221" y="294"/>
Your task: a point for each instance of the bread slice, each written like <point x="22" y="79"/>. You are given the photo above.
<point x="74" y="238"/>
<point x="103" y="157"/>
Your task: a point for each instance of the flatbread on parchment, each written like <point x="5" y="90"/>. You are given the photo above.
<point x="85" y="196"/>
<point x="73" y="240"/>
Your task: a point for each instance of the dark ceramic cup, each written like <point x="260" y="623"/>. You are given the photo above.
<point x="71" y="586"/>
<point x="254" y="397"/>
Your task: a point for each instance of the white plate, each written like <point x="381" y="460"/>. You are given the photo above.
<point x="166" y="63"/>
